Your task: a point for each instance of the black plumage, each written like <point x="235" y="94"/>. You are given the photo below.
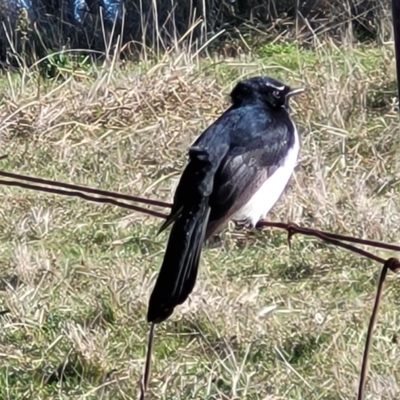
<point x="228" y="164"/>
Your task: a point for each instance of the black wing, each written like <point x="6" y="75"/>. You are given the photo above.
<point x="189" y="216"/>
<point x="212" y="144"/>
<point x="248" y="164"/>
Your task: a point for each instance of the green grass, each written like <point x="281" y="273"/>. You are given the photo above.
<point x="264" y="321"/>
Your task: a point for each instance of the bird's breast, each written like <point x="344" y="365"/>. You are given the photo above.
<point x="271" y="190"/>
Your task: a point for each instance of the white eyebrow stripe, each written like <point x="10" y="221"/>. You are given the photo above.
<point x="275" y="87"/>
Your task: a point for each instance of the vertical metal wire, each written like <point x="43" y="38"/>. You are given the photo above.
<point x="396" y="31"/>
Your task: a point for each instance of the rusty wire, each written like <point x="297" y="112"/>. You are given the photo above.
<point x="108" y="197"/>
<point x="78" y="188"/>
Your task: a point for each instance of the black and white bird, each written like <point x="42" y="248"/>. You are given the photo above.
<point x="238" y="169"/>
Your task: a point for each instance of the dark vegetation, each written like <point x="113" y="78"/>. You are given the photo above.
<point x="49" y="26"/>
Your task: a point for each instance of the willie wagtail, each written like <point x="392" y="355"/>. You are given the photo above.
<point x="238" y="168"/>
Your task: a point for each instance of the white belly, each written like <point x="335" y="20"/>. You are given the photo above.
<point x="268" y="194"/>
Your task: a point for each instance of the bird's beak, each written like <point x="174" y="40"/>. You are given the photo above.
<point x="295" y="91"/>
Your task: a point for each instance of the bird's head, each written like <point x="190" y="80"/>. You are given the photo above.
<point x="265" y="89"/>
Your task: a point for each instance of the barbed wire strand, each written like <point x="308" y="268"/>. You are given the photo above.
<point x="79" y="188"/>
<point x="146" y="374"/>
<point x="84" y="196"/>
<point x="393" y="265"/>
<point x="79" y="192"/>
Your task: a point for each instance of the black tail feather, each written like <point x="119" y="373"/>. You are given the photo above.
<point x="178" y="272"/>
<point x="196" y="243"/>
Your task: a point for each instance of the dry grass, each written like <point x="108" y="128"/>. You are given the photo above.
<point x="264" y="322"/>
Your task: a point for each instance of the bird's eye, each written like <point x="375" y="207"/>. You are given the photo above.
<point x="277" y="94"/>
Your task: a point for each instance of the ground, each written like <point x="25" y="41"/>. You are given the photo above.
<point x="264" y="321"/>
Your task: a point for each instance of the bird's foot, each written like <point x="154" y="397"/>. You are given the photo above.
<point x="260" y="224"/>
<point x="214" y="241"/>
<point x="243" y="224"/>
